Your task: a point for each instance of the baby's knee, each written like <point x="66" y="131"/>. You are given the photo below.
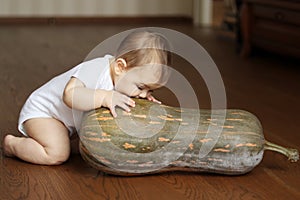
<point x="57" y="157"/>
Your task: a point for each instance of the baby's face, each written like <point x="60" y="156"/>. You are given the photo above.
<point x="139" y="81"/>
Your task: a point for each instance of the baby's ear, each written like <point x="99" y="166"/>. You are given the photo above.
<point x="121" y="64"/>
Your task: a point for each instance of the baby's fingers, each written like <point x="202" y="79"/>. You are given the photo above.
<point x="124" y="107"/>
<point x="125" y="102"/>
<point x="151" y="98"/>
<point x="131" y="102"/>
<point x="113" y="111"/>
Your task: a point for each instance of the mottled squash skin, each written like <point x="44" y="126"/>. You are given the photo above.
<point x="155" y="138"/>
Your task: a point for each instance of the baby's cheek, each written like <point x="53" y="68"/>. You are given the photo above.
<point x="134" y="93"/>
<point x="129" y="91"/>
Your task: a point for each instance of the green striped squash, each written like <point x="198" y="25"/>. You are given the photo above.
<point x="155" y="138"/>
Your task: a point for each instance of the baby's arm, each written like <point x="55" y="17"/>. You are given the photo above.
<point x="77" y="96"/>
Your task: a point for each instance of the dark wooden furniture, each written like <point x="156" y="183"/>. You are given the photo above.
<point x="272" y="25"/>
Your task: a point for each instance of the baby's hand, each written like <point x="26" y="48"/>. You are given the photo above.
<point x="151" y="98"/>
<point x="114" y="98"/>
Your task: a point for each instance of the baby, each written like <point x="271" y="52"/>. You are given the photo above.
<point x="47" y="118"/>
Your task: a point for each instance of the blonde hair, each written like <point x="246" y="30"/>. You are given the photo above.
<point x="144" y="47"/>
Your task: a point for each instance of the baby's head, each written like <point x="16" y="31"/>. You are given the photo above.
<point x="141" y="63"/>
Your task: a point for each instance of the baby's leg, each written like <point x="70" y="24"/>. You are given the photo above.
<point x="48" y="142"/>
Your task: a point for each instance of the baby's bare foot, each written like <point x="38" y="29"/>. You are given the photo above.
<point x="7" y="145"/>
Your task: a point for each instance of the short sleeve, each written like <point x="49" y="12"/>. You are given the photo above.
<point x="89" y="72"/>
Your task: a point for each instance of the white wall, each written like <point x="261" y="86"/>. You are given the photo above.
<point x="202" y="12"/>
<point x="97" y="8"/>
<point x="199" y="10"/>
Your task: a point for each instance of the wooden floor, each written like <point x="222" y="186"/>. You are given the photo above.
<point x="265" y="84"/>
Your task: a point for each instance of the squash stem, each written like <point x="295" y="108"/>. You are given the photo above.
<point x="292" y="154"/>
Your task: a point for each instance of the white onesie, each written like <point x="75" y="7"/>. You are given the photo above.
<point x="47" y="102"/>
